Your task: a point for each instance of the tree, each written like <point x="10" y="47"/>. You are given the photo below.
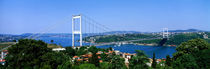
<point x="54" y="59"/>
<point x="2" y="66"/>
<point x="186" y="61"/>
<point x="65" y="65"/>
<point x="46" y="67"/>
<point x="26" y="53"/>
<point x="87" y="66"/>
<point x="110" y="48"/>
<point x="104" y="57"/>
<point x="14" y="41"/>
<point x="93" y="49"/>
<point x="104" y="65"/>
<point x="154" y="63"/>
<point x="191" y="47"/>
<point x="94" y="59"/>
<point x="202" y="59"/>
<point x="168" y="60"/>
<point x="139" y="61"/>
<point x="117" y="63"/>
<point x="178" y="39"/>
<point x="70" y="51"/>
<point x="190" y="54"/>
<point x="52" y="41"/>
<point x="81" y="51"/>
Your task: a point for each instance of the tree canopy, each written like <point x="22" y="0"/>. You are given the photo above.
<point x="34" y="54"/>
<point x="192" y="54"/>
<point x="26" y="53"/>
<point x="139" y="61"/>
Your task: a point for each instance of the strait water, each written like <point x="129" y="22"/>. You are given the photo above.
<point x="160" y="51"/>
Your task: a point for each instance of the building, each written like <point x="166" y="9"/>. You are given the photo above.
<point x="58" y="49"/>
<point x="3" y="55"/>
<point x="126" y="56"/>
<point x="205" y="36"/>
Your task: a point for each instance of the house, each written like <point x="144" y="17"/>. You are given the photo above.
<point x="3" y="55"/>
<point x="76" y="57"/>
<point x="205" y="36"/>
<point x="127" y="56"/>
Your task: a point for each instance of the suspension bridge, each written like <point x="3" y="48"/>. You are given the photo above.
<point x="82" y="24"/>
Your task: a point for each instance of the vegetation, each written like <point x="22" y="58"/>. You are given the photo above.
<point x="154" y="63"/>
<point x="27" y="54"/>
<point x="173" y="40"/>
<point x="117" y="38"/>
<point x="155" y="41"/>
<point x="168" y="61"/>
<point x="6" y="44"/>
<point x="34" y="54"/>
<point x="208" y="40"/>
<point x="87" y="66"/>
<point x="94" y="59"/>
<point x="70" y="52"/>
<point x="192" y="54"/>
<point x="53" y="46"/>
<point x="178" y="39"/>
<point x="189" y="54"/>
<point x="139" y="61"/>
<point x="51" y="41"/>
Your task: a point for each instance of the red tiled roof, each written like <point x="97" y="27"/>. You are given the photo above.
<point x="98" y="53"/>
<point x="89" y="55"/>
<point x="110" y="51"/>
<point x="99" y="57"/>
<point x="75" y="57"/>
<point x="2" y="60"/>
<point x="100" y="61"/>
<point x="79" y="59"/>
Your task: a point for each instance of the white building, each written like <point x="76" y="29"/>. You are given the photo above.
<point x="205" y="36"/>
<point x="58" y="49"/>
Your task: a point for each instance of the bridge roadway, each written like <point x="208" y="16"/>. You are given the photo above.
<point x="123" y="42"/>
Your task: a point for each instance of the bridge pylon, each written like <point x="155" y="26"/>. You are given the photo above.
<point x="76" y="31"/>
<point x="165" y="33"/>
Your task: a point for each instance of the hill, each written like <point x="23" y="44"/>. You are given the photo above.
<point x="188" y="30"/>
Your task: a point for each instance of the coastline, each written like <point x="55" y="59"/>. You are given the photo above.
<point x="154" y="45"/>
<point x="139" y="44"/>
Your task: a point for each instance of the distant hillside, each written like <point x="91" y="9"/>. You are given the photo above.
<point x="188" y="30"/>
<point x="122" y="32"/>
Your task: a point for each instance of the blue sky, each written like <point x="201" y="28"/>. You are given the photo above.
<point x="32" y="16"/>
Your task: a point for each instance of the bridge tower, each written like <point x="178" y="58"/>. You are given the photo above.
<point x="165" y="33"/>
<point x="76" y="19"/>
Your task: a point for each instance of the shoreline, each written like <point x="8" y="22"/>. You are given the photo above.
<point x="154" y="45"/>
<point x="139" y="44"/>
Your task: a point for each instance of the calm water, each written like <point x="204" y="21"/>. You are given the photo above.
<point x="160" y="51"/>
